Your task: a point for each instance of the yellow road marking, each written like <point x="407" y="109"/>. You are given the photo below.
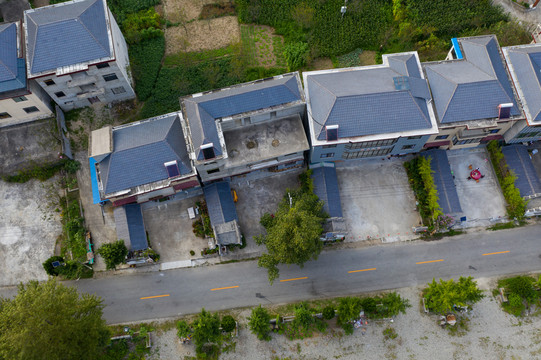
<point x="496" y="253"/>
<point x="355" y="271"/>
<point x="426" y="262"/>
<point x="152" y="297"/>
<point x="223" y="288"/>
<point x="301" y="278"/>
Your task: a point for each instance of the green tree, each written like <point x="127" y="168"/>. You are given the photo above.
<point x="51" y="321"/>
<point x="328" y="312"/>
<point x="303" y="318"/>
<point x="48" y="265"/>
<point x="113" y="253"/>
<point x="348" y="309"/>
<point x="228" y="323"/>
<point x="206" y="330"/>
<point x="259" y="323"/>
<point x="293" y="234"/>
<point x="183" y="329"/>
<point x="443" y="295"/>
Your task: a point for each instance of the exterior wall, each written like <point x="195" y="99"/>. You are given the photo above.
<point x="121" y="49"/>
<point x="80" y="86"/>
<point x="521" y="132"/>
<point x="266" y="116"/>
<point x="17" y="113"/>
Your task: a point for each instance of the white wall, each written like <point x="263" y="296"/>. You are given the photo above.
<point x="16" y="109"/>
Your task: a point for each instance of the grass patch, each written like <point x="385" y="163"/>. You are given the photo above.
<point x="145" y="61"/>
<point x="503" y="226"/>
<point x="521" y="292"/>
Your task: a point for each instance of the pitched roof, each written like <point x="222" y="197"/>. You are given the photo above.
<point x="518" y="159"/>
<point x="370" y="100"/>
<point x="524" y="63"/>
<point x="326" y="189"/>
<point x="12" y="70"/>
<point x="473" y="87"/>
<point x="202" y="111"/>
<point x="50" y="47"/>
<point x="130" y="226"/>
<point x="220" y="204"/>
<point x="140" y="151"/>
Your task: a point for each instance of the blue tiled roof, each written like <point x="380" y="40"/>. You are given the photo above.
<point x="443" y="179"/>
<point x="518" y="160"/>
<point x="50" y="47"/>
<point x="472" y="88"/>
<point x="202" y="111"/>
<point x="130" y="226"/>
<point x="326" y="189"/>
<point x="12" y="69"/>
<point x="220" y="204"/>
<point x="366" y="101"/>
<point x="140" y="151"/>
<point x="94" y="181"/>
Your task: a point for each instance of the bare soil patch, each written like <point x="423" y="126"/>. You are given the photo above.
<point x="184" y="10"/>
<point x="40" y="3"/>
<point x="211" y="11"/>
<point x="202" y="35"/>
<point x="367" y="57"/>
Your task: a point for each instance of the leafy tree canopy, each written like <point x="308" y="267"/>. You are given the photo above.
<point x="113" y="253"/>
<point x="206" y="329"/>
<point x="51" y="321"/>
<point x="443" y="295"/>
<point x="259" y="323"/>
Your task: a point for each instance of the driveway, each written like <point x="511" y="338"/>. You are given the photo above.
<point x="482" y="202"/>
<point x="377" y="201"/>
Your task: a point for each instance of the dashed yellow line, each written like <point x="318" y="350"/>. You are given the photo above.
<point x="224" y="288"/>
<point x="153" y="297"/>
<point x="427" y="262"/>
<point x="496" y="253"/>
<point x="301" y="278"/>
<point x="356" y="271"/>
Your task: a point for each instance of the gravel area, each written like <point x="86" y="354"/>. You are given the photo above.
<point x="490" y="334"/>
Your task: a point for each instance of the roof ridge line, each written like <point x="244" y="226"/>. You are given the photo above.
<point x="448" y="103"/>
<point x="417" y="105"/>
<point x="90" y="32"/>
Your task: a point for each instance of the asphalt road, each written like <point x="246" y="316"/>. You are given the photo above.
<point x="182" y="291"/>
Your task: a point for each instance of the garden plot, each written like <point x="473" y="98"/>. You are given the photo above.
<point x="202" y="35"/>
<point x="177" y="11"/>
<point x="262" y="47"/>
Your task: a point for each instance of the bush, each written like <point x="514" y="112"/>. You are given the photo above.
<point x="259" y="323"/>
<point x="521" y="286"/>
<point x="348" y="309"/>
<point x="329" y="312"/>
<point x="442" y="296"/>
<point x="48" y="265"/>
<point x="228" y="323"/>
<point x="143" y="25"/>
<point x="113" y="254"/>
<point x="183" y="329"/>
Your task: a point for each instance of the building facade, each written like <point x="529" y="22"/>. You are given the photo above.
<point x="89" y="65"/>
<point x="21" y="100"/>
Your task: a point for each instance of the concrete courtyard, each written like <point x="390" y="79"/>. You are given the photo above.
<point x="377" y="201"/>
<point x="482" y="202"/>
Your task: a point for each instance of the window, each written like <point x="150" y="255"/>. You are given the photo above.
<point x="407" y="147"/>
<point x="68" y="102"/>
<point x="4" y="115"/>
<point x="366" y="153"/>
<point x="442" y="137"/>
<point x="94" y="99"/>
<point x="49" y="82"/>
<point x="118" y="90"/>
<point x="110" y="77"/>
<point x="208" y="151"/>
<point x="414" y="137"/>
<point x="213" y="171"/>
<point x="494" y="131"/>
<point x="371" y="144"/>
<point x="102" y="66"/>
<point x="328" y="146"/>
<point x="328" y="155"/>
<point x="59" y="94"/>
<point x="19" y="98"/>
<point x="332" y="132"/>
<point x="31" y="109"/>
<point x="172" y="168"/>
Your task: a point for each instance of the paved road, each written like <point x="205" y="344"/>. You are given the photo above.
<point x="183" y="291"/>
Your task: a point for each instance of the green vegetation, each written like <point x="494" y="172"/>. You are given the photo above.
<point x="296" y="55"/>
<point x="422" y="183"/>
<point x="376" y="307"/>
<point x="133" y="348"/>
<point x="516" y="205"/>
<point x="502" y="226"/>
<point x="43" y="172"/>
<point x="143" y="25"/>
<point x="113" y="254"/>
<point x="441" y="297"/>
<point x="293" y="232"/>
<point x="328" y="312"/>
<point x="48" y="319"/>
<point x="121" y="9"/>
<point x="521" y="291"/>
<point x="259" y="323"/>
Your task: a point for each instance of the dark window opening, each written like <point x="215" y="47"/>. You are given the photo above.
<point x="4" y="115"/>
<point x="20" y="98"/>
<point x="49" y="82"/>
<point x="332" y="132"/>
<point x="442" y="137"/>
<point x="110" y="77"/>
<point x="328" y="155"/>
<point x="31" y="109"/>
<point x="172" y="168"/>
<point x="102" y="66"/>
<point x="59" y="94"/>
<point x="213" y="171"/>
<point x="208" y="151"/>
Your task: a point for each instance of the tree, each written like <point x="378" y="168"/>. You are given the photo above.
<point x="48" y="265"/>
<point x="183" y="329"/>
<point x="348" y="309"/>
<point x="51" y="321"/>
<point x="206" y="330"/>
<point x="228" y="323"/>
<point x="113" y="253"/>
<point x="443" y="295"/>
<point x="328" y="312"/>
<point x="293" y="234"/>
<point x="259" y="323"/>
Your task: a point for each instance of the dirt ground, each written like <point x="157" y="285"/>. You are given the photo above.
<point x="490" y="334"/>
<point x="202" y="35"/>
<point x="321" y="64"/>
<point x="184" y="10"/>
<point x="367" y="57"/>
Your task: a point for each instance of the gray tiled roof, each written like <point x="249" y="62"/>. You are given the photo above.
<point x="471" y="88"/>
<point x="202" y="111"/>
<point x="220" y="204"/>
<point x="66" y="34"/>
<point x="140" y="151"/>
<point x="525" y="63"/>
<point x="443" y="179"/>
<point x="130" y="226"/>
<point x="518" y="160"/>
<point x="366" y="101"/>
<point x="326" y="189"/>
<point x="12" y="70"/>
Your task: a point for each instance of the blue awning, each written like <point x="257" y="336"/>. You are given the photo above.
<point x="94" y="180"/>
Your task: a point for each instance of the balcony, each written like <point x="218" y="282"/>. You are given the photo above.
<point x="81" y="80"/>
<point x="89" y="94"/>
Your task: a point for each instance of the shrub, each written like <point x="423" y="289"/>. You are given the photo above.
<point x="348" y="328"/>
<point x="516" y="305"/>
<point x="259" y="323"/>
<point x="48" y="265"/>
<point x="183" y="329"/>
<point x="228" y="323"/>
<point x="143" y="25"/>
<point x="296" y="55"/>
<point x="192" y="253"/>
<point x="348" y="309"/>
<point x="442" y="296"/>
<point x="328" y="312"/>
<point x="522" y="286"/>
<point x="113" y="254"/>
<point x="389" y="333"/>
